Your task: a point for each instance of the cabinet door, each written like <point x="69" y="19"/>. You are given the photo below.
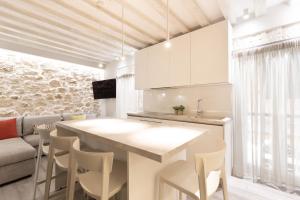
<point x="209" y="54"/>
<point x="158" y="66"/>
<point x="180" y="61"/>
<point x="141" y="69"/>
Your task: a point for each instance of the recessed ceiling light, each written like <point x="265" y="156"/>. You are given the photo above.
<point x="122" y="58"/>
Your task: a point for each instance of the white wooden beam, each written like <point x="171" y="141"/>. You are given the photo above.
<point x="93" y="4"/>
<point x="16" y="45"/>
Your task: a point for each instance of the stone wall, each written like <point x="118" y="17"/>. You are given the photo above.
<point x="31" y="85"/>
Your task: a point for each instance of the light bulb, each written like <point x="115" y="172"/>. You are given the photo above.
<point x="122" y="57"/>
<point x="100" y="65"/>
<point x="168" y="44"/>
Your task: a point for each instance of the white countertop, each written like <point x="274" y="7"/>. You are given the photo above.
<point x="152" y="140"/>
<point x="204" y="119"/>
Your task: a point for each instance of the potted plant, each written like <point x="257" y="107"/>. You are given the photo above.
<point x="178" y="109"/>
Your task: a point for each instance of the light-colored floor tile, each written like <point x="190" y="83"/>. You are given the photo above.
<point x="238" y="190"/>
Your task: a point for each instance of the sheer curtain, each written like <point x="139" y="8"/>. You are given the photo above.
<point x="128" y="99"/>
<point x="267" y="115"/>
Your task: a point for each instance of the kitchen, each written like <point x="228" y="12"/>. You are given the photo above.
<point x="158" y="99"/>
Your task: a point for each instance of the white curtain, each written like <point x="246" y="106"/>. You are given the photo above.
<point x="267" y="115"/>
<point x="128" y="99"/>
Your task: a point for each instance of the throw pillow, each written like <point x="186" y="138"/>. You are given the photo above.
<point x="78" y="117"/>
<point x="8" y="129"/>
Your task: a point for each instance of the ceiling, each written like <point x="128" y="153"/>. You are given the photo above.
<point x="90" y="31"/>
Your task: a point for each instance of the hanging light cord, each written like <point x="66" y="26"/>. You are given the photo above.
<point x="122" y="28"/>
<point x="168" y="32"/>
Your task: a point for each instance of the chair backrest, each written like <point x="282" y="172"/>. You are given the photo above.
<point x="208" y="162"/>
<point x="94" y="161"/>
<point x="61" y="142"/>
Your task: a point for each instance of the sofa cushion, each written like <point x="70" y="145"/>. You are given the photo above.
<point x="8" y="129"/>
<point x="68" y="116"/>
<point x="29" y="122"/>
<point x="19" y="123"/>
<point x="78" y="117"/>
<point x="15" y="150"/>
<point x="33" y="140"/>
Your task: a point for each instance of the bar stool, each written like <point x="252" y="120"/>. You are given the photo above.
<point x="197" y="180"/>
<point x="63" y="144"/>
<point x="101" y="178"/>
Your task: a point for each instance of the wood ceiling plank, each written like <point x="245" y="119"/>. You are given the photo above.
<point x="43" y="47"/>
<point x="200" y="15"/>
<point x="93" y="4"/>
<point x="58" y="25"/>
<point x="88" y="16"/>
<point x="54" y="41"/>
<point x="47" y="44"/>
<point x="69" y="38"/>
<point x="140" y="14"/>
<point x="92" y="29"/>
<point x="173" y="15"/>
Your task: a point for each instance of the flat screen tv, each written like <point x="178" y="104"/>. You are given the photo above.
<point x="104" y="89"/>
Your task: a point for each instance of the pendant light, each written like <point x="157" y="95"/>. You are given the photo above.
<point x="167" y="42"/>
<point x="123" y="56"/>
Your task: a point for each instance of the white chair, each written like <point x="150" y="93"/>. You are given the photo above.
<point x="43" y="149"/>
<point x="102" y="179"/>
<point x="62" y="144"/>
<point x="197" y="180"/>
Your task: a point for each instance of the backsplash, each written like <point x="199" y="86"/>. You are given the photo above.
<point x="215" y="99"/>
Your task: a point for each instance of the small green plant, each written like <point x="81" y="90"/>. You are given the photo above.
<point x="179" y="109"/>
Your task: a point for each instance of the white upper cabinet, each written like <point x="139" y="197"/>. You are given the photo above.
<point x="200" y="57"/>
<point x="180" y="61"/>
<point x="141" y="68"/>
<point x="158" y="66"/>
<point x="210" y="54"/>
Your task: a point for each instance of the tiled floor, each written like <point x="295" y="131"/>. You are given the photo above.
<point x="238" y="190"/>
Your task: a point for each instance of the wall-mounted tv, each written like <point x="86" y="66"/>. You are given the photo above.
<point x="104" y="89"/>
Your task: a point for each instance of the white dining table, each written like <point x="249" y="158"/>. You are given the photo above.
<point x="149" y="147"/>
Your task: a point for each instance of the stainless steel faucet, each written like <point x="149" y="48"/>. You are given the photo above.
<point x="199" y="107"/>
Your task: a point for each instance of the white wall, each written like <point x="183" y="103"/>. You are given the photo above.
<point x="111" y="71"/>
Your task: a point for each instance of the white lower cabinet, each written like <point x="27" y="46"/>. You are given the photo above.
<point x="207" y="142"/>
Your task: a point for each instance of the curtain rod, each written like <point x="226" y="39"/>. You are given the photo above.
<point x="266" y="44"/>
<point x="267" y="30"/>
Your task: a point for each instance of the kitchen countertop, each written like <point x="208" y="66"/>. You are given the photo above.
<point x="156" y="141"/>
<point x="202" y="119"/>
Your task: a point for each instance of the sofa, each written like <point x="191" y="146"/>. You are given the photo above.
<point x="17" y="155"/>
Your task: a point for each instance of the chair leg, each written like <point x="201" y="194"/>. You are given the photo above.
<point x="180" y="195"/>
<point x="224" y="184"/>
<point x="49" y="173"/>
<point x="161" y="189"/>
<point x="72" y="180"/>
<point x="37" y="168"/>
